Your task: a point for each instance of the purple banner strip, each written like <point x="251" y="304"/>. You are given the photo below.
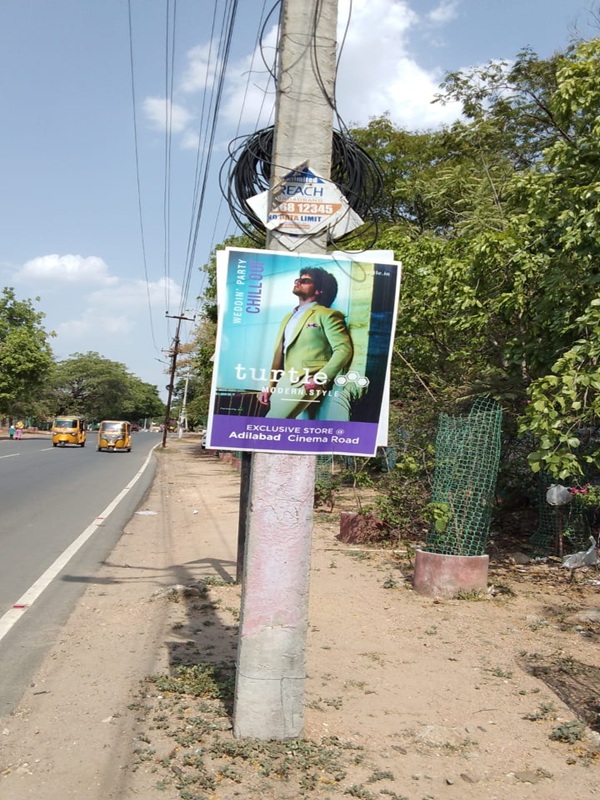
<point x="310" y="437"/>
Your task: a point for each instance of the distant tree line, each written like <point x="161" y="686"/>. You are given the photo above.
<point x="34" y="385"/>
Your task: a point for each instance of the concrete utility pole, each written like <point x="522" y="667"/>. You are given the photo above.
<point x="171" y="386"/>
<point x="182" y="422"/>
<point x="271" y="664"/>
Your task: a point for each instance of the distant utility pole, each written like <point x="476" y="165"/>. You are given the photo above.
<point x="271" y="662"/>
<point x="182" y="422"/>
<point x="171" y="386"/>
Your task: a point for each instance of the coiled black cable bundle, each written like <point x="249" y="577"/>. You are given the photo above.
<point x="247" y="172"/>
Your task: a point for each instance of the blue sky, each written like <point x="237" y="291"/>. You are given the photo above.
<point x="70" y="228"/>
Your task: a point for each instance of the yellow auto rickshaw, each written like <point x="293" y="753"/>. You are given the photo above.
<point x="68" y="430"/>
<point x="114" y="435"/>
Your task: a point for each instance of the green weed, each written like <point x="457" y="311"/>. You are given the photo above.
<point x="360" y="792"/>
<point x="199" y="680"/>
<point x="381" y="775"/>
<point x="473" y="595"/>
<point x="498" y="672"/>
<point x="545" y="711"/>
<point x="569" y="732"/>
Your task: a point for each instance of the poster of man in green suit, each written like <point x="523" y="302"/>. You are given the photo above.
<point x="313" y="346"/>
<point x="303" y="349"/>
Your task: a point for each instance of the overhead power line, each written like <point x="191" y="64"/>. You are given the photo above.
<point x="137" y="176"/>
<point x="224" y="52"/>
<point x="170" y="30"/>
<point x="224" y="19"/>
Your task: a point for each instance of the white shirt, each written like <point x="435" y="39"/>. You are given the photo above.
<point x="294" y="321"/>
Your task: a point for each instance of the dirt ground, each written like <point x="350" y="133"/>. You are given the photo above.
<point x="407" y="697"/>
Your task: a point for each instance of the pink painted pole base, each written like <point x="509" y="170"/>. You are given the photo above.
<point x="441" y="575"/>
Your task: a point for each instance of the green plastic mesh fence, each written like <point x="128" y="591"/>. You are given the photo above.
<point x="467" y="454"/>
<point x="324" y="469"/>
<point x="560" y="528"/>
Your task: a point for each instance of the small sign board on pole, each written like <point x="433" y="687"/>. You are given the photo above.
<point x="303" y="204"/>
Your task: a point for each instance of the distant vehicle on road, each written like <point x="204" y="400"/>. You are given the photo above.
<point x="134" y="427"/>
<point x="69" y="430"/>
<point x="114" y="435"/>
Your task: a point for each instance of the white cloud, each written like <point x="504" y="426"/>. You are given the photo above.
<point x="158" y="290"/>
<point x="250" y="91"/>
<point x="90" y="310"/>
<point x="378" y="74"/>
<point x="68" y="268"/>
<point x="445" y="12"/>
<point x="135" y="295"/>
<point x="159" y="112"/>
<point x="190" y="140"/>
<point x="116" y="323"/>
<point x="93" y="322"/>
<point x="248" y="97"/>
<point x="201" y="68"/>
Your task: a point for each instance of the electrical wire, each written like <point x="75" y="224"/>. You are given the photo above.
<point x="227" y="230"/>
<point x="209" y="118"/>
<point x="169" y="78"/>
<point x="199" y="150"/>
<point x="137" y="176"/>
<point x="371" y="182"/>
<point x="248" y="169"/>
<point x="258" y="47"/>
<point x="226" y="49"/>
<point x="272" y="71"/>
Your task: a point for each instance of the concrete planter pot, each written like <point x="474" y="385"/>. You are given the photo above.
<point x="441" y="575"/>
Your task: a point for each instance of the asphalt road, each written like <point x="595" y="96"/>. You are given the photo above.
<point x="50" y="500"/>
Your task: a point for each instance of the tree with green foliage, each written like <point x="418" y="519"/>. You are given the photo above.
<point x="564" y="201"/>
<point x="509" y="105"/>
<point x="496" y="220"/>
<point x="143" y="402"/>
<point x="25" y="355"/>
<point x="97" y="388"/>
<point x="500" y="270"/>
<point x="564" y="408"/>
<point x="490" y="298"/>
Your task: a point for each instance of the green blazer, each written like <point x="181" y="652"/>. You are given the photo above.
<point x="320" y="343"/>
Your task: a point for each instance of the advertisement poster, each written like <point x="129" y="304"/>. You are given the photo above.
<point x="303" y="352"/>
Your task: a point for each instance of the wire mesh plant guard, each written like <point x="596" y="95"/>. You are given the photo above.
<point x="467" y="453"/>
<point x="558" y="523"/>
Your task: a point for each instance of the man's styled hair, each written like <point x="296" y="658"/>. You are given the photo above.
<point x="325" y="284"/>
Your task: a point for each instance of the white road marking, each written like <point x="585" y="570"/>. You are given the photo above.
<point x="31" y="595"/>
<point x="11" y="455"/>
